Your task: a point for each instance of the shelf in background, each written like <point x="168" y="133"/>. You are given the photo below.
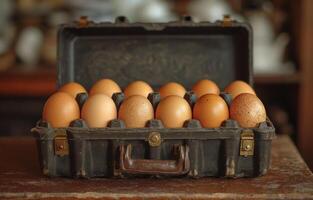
<point x="277" y="78"/>
<point x="23" y="83"/>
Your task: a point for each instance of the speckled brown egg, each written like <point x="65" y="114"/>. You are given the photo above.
<point x="73" y="89"/>
<point x="205" y="86"/>
<point x="138" y="88"/>
<point x="98" y="111"/>
<point x="172" y="88"/>
<point x="60" y="110"/>
<point x="173" y="111"/>
<point x="211" y="110"/>
<point x="238" y="87"/>
<point x="136" y="111"/>
<point x="248" y="110"/>
<point x="105" y="86"/>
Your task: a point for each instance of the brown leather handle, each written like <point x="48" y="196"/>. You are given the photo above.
<point x="154" y="167"/>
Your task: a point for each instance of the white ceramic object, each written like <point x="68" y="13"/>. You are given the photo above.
<point x="211" y="10"/>
<point x="268" y="50"/>
<point x="154" y="11"/>
<point x="29" y="45"/>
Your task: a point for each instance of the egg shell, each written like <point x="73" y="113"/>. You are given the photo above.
<point x="73" y="89"/>
<point x="98" y="111"/>
<point x="172" y="88"/>
<point x="136" y="111"/>
<point x="138" y="88"/>
<point x="238" y="87"/>
<point x="105" y="86"/>
<point x="248" y="110"/>
<point x="173" y="111"/>
<point x="211" y="110"/>
<point x="205" y="86"/>
<point x="60" y="110"/>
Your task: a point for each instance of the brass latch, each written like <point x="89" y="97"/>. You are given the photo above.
<point x="247" y="143"/>
<point x="61" y="144"/>
<point x="154" y="139"/>
<point x="83" y="21"/>
<point x="227" y="20"/>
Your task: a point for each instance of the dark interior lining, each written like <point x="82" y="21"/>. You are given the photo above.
<point x="182" y="54"/>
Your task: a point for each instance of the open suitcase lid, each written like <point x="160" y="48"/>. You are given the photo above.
<point x="181" y="51"/>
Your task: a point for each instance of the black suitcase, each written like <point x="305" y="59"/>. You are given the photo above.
<point x="181" y="51"/>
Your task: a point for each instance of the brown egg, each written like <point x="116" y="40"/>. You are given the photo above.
<point x="205" y="86"/>
<point x="105" y="86"/>
<point x="60" y="110"/>
<point x="98" y="110"/>
<point x="238" y="87"/>
<point x="248" y="110"/>
<point x="173" y="111"/>
<point x="73" y="89"/>
<point x="172" y="88"/>
<point x="138" y="88"/>
<point x="211" y="110"/>
<point x="136" y="111"/>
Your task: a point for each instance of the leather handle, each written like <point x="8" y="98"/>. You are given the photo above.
<point x="154" y="167"/>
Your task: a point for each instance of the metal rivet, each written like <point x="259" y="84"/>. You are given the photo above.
<point x="154" y="139"/>
<point x="227" y="21"/>
<point x="83" y="21"/>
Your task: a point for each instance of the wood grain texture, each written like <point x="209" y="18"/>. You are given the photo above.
<point x="20" y="177"/>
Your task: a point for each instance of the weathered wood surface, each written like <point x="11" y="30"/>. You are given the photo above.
<point x="20" y="178"/>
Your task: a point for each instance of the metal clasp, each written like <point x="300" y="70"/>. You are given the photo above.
<point x="83" y="21"/>
<point x="60" y="144"/>
<point x="247" y="143"/>
<point x="154" y="139"/>
<point x="227" y="20"/>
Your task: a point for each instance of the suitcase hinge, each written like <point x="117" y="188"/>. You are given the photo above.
<point x="83" y="21"/>
<point x="227" y="20"/>
<point x="61" y="144"/>
<point x="247" y="143"/>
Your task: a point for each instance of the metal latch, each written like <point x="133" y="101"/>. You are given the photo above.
<point x="247" y="143"/>
<point x="227" y="20"/>
<point x="61" y="144"/>
<point x="83" y="21"/>
<point x="154" y="139"/>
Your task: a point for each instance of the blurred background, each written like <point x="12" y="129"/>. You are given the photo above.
<point x="282" y="46"/>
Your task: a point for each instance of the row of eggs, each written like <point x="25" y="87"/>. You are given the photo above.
<point x="173" y="110"/>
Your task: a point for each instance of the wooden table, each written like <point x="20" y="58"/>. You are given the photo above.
<point x="20" y="177"/>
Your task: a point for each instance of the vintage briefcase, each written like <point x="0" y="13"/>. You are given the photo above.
<point x="181" y="51"/>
